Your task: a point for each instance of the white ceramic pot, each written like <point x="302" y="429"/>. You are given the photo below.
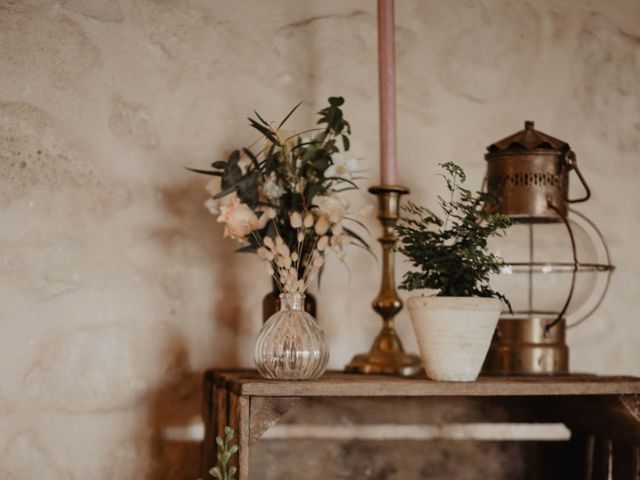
<point x="453" y="334"/>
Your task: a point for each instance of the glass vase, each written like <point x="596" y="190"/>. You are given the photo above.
<point x="271" y="303"/>
<point x="291" y="345"/>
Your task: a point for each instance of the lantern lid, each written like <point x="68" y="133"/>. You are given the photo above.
<point x="528" y="139"/>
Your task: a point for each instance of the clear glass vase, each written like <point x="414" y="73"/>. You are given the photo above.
<point x="291" y="345"/>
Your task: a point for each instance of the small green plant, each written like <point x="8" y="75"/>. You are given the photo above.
<point x="450" y="254"/>
<point x="225" y="451"/>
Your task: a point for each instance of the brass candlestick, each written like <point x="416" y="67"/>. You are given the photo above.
<point x="387" y="355"/>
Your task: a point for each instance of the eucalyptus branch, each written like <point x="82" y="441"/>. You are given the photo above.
<point x="225" y="451"/>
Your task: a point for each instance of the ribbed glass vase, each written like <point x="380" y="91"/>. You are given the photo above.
<point x="291" y="345"/>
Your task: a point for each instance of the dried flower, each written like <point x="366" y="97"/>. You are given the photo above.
<point x="285" y="205"/>
<point x="308" y="220"/>
<point x="322" y="225"/>
<point x="322" y="243"/>
<point x="296" y="220"/>
<point x="268" y="268"/>
<point x="332" y="207"/>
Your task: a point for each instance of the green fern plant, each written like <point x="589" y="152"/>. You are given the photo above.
<point x="449" y="252"/>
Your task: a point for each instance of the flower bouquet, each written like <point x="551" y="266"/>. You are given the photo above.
<point x="283" y="199"/>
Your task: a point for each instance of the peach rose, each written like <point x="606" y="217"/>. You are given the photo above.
<point x="238" y="218"/>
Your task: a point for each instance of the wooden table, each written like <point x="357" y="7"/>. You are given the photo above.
<point x="602" y="413"/>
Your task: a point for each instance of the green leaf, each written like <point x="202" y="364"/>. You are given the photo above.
<point x="253" y="158"/>
<point x="356" y="237"/>
<point x="267" y="132"/>
<point x="284" y="120"/>
<point x="345" y="142"/>
<point x="228" y="433"/>
<point x="204" y="172"/>
<point x="219" y="442"/>
<point x="224" y="193"/>
<point x="234" y="157"/>
<point x="216" y="473"/>
<point x="262" y="119"/>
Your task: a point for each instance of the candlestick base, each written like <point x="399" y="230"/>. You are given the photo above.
<point x="387" y="355"/>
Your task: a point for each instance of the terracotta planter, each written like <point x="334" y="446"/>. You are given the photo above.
<point x="453" y="334"/>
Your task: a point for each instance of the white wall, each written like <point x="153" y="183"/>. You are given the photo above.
<point x="116" y="288"/>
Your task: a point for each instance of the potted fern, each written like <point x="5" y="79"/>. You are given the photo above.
<point x="448" y="253"/>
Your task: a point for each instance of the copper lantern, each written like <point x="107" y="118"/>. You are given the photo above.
<point x="557" y="264"/>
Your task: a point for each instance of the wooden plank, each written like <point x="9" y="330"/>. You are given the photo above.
<point x="608" y="416"/>
<point x="209" y="405"/>
<point x="244" y="440"/>
<point x="343" y="384"/>
<point x="233" y="420"/>
<point x="266" y="412"/>
<point x="416" y="410"/>
<point x="408" y="459"/>
<point x="214" y="421"/>
<point x="239" y="420"/>
<point x="625" y="461"/>
<point x="221" y="411"/>
<point x="601" y="459"/>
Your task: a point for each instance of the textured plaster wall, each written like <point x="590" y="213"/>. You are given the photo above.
<point x="116" y="289"/>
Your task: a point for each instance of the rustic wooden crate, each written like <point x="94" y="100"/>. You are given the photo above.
<point x="602" y="414"/>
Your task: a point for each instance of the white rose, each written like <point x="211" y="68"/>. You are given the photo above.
<point x="341" y="168"/>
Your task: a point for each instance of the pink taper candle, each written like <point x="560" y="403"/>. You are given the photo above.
<point x="387" y="92"/>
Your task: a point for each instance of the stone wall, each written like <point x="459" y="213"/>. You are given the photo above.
<point x="116" y="288"/>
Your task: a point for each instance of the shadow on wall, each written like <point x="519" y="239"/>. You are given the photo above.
<point x="213" y="325"/>
<point x="194" y="242"/>
<point x="193" y="237"/>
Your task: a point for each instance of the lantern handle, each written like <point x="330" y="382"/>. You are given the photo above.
<point x="574" y="251"/>
<point x="572" y="163"/>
